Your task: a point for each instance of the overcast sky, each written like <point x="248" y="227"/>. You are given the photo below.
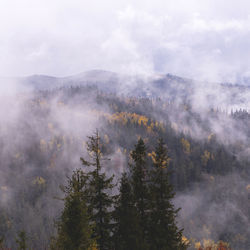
<point x="202" y="39"/>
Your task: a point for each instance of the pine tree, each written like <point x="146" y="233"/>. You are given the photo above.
<point x="2" y="243"/>
<point x="127" y="233"/>
<point x="139" y="187"/>
<point x="164" y="233"/>
<point x="100" y="200"/>
<point x="21" y="240"/>
<point x="74" y="229"/>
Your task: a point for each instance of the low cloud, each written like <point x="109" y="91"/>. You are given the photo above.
<point x="193" y="39"/>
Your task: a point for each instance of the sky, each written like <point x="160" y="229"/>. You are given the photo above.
<point x="208" y="39"/>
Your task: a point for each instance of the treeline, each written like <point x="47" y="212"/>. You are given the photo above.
<point x="139" y="215"/>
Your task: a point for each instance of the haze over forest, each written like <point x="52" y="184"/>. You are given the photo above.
<point x="136" y="72"/>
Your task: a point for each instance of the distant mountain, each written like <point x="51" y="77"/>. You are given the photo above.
<point x="166" y="86"/>
<point x="105" y="80"/>
<point x="109" y="81"/>
<point x="41" y="81"/>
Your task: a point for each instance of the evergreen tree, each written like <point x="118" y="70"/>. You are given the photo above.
<point x="74" y="229"/>
<point x="2" y="243"/>
<point x="139" y="187"/>
<point x="21" y="240"/>
<point x="100" y="200"/>
<point x="127" y="233"/>
<point x="3" y="227"/>
<point x="164" y="233"/>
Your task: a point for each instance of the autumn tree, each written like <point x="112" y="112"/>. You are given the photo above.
<point x="100" y="200"/>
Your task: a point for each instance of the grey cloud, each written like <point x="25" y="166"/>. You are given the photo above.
<point x="202" y="40"/>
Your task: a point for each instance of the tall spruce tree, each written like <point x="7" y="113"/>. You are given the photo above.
<point x="21" y="240"/>
<point x="2" y="247"/>
<point x="74" y="229"/>
<point x="140" y="188"/>
<point x="100" y="199"/>
<point x="127" y="233"/>
<point x="164" y="233"/>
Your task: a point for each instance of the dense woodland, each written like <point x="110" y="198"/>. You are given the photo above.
<point x="158" y="156"/>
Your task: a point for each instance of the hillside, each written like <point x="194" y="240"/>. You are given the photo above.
<point x="43" y="142"/>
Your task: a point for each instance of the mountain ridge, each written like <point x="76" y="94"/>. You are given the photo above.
<point x="165" y="86"/>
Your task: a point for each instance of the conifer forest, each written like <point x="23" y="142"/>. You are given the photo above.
<point x="125" y="125"/>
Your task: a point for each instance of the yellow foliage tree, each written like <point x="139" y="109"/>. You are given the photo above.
<point x="186" y="146"/>
<point x="206" y="157"/>
<point x="39" y="181"/>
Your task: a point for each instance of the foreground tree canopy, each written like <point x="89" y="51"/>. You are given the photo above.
<point x="141" y="216"/>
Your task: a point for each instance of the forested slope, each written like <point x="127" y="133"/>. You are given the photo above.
<point x="42" y="143"/>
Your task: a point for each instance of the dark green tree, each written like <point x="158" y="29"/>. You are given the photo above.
<point x="127" y="233"/>
<point x="74" y="228"/>
<point x="163" y="231"/>
<point x="100" y="200"/>
<point x="140" y="188"/>
<point x="3" y="227"/>
<point x="2" y="247"/>
<point x="21" y="240"/>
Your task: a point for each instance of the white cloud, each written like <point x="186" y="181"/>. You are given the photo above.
<point x="200" y="39"/>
